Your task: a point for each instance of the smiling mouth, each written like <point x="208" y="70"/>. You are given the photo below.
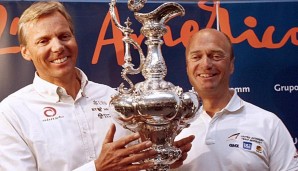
<point x="59" y="61"/>
<point x="206" y="75"/>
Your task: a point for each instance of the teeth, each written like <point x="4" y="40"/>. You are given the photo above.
<point x="59" y="61"/>
<point x="205" y="75"/>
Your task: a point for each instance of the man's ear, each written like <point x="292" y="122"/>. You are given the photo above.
<point x="25" y="53"/>
<point x="232" y="66"/>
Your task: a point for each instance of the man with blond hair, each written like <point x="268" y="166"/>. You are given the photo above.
<point x="53" y="123"/>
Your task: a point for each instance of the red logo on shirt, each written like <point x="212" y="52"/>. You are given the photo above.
<point x="49" y="111"/>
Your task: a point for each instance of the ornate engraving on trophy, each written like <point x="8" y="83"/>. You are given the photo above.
<point x="155" y="108"/>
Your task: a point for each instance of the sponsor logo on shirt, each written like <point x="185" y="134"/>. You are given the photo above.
<point x="99" y="109"/>
<point x="249" y="142"/>
<point x="50" y="114"/>
<point x="259" y="149"/>
<point x="233" y="137"/>
<point x="102" y="115"/>
<point x="252" y="139"/>
<point x="49" y="111"/>
<point x="245" y="138"/>
<point x="102" y="112"/>
<point x="99" y="102"/>
<point x="247" y="145"/>
<point x="234" y="145"/>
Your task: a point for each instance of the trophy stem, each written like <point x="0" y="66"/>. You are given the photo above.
<point x="162" y="137"/>
<point x="154" y="66"/>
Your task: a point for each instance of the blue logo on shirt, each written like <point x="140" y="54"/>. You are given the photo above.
<point x="247" y="145"/>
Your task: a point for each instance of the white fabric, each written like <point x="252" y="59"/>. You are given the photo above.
<point x="42" y="128"/>
<point x="241" y="137"/>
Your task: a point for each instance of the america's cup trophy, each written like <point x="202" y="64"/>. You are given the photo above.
<point x="155" y="108"/>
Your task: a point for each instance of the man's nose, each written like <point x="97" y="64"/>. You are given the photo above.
<point x="57" y="45"/>
<point x="206" y="61"/>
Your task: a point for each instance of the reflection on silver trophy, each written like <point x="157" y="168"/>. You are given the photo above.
<point x="155" y="108"/>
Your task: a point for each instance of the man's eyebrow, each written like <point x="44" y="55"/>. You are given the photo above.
<point x="41" y="37"/>
<point x="195" y="52"/>
<point x="217" y="51"/>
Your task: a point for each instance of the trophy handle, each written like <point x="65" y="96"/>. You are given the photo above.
<point x="135" y="6"/>
<point x="128" y="67"/>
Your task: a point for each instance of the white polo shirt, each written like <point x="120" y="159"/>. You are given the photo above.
<point x="241" y="137"/>
<point x="43" y="128"/>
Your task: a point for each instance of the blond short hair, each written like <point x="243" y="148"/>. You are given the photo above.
<point x="38" y="10"/>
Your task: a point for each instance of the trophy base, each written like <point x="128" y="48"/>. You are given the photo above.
<point x="166" y="155"/>
<point x="160" y="167"/>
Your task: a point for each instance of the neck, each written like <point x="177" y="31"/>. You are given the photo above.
<point x="71" y="84"/>
<point x="72" y="87"/>
<point x="216" y="102"/>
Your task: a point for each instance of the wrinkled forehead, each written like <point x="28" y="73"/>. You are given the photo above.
<point x="209" y="40"/>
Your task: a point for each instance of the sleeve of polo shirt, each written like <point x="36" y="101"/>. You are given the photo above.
<point x="282" y="149"/>
<point x="87" y="167"/>
<point x="14" y="152"/>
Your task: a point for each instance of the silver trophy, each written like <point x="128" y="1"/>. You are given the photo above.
<point x="155" y="108"/>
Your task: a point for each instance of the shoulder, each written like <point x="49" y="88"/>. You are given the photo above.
<point x="15" y="102"/>
<point x="259" y="114"/>
<point x="19" y="95"/>
<point x="239" y="106"/>
<point x="249" y="107"/>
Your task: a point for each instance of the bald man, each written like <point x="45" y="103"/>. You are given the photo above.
<point x="231" y="134"/>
